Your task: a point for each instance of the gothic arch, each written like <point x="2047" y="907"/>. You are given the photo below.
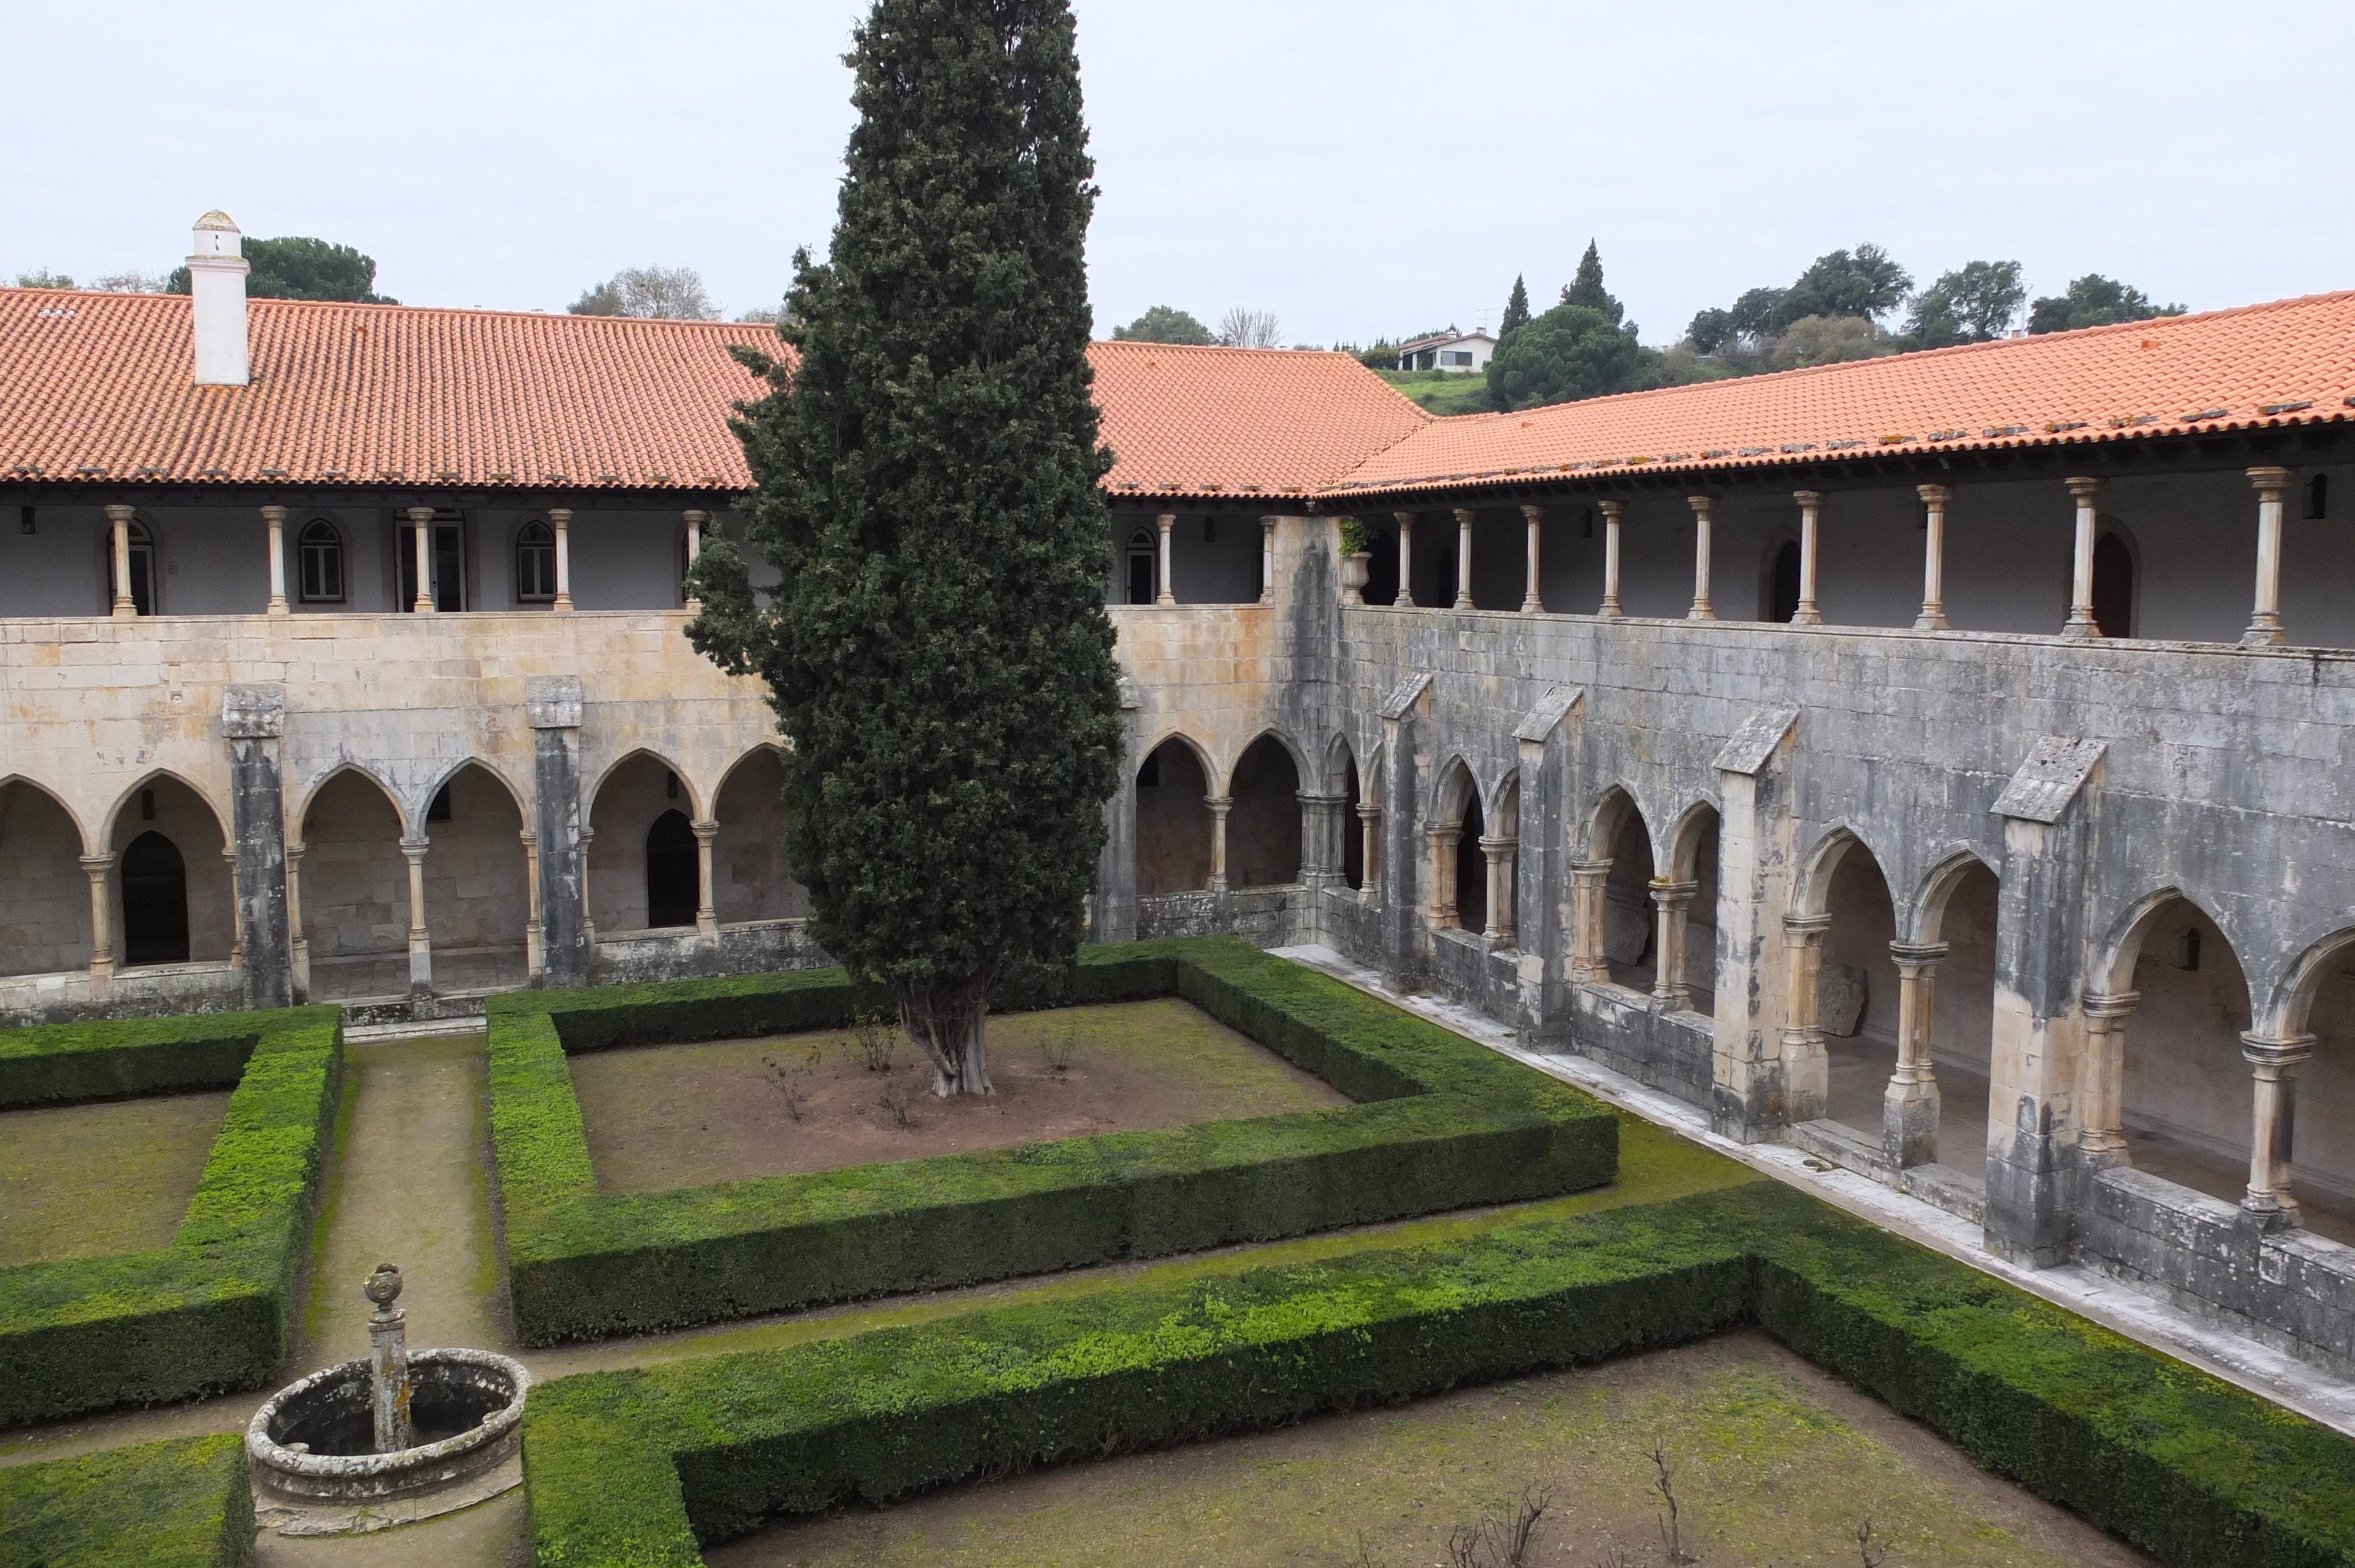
<point x="1926" y="912"/>
<point x="147" y="781"/>
<point x="689" y="797"/>
<point x="1686" y="839"/>
<point x="318" y="784"/>
<point x="1613" y="809"/>
<point x="1816" y="870"/>
<point x="81" y="831"/>
<point x="2289" y="1001"/>
<point x="1300" y="765"/>
<point x="2122" y="946"/>
<point x="442" y="779"/>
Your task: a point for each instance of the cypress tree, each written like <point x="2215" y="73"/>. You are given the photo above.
<point x="1517" y="309"/>
<point x="1587" y="288"/>
<point x="937" y="649"/>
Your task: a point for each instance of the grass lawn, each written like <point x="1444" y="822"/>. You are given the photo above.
<point x="89" y="1180"/>
<point x="1771" y="1460"/>
<point x="664" y="1116"/>
<point x="1442" y="391"/>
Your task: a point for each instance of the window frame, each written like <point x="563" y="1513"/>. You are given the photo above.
<point x="525" y="541"/>
<point x="333" y="543"/>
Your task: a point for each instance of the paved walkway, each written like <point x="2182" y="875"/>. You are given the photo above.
<point x="2308" y="1390"/>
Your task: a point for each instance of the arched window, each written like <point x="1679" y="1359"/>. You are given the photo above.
<point x="1142" y="567"/>
<point x="674" y="879"/>
<point x="2113" y="575"/>
<point x="2317" y="496"/>
<point x="319" y="555"/>
<point x="1782" y="601"/>
<point x="534" y="573"/>
<point x="154" y="901"/>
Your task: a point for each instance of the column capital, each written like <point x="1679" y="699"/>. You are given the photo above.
<point x="2264" y="1053"/>
<point x="1369" y="813"/>
<point x="1464" y="515"/>
<point x="1496" y="847"/>
<point x="529" y="837"/>
<point x="1317" y="798"/>
<point x="2269" y="481"/>
<point x="1590" y="868"/>
<point x="1806" y="927"/>
<point x="1808" y="497"/>
<point x="1165" y="521"/>
<point x="1611" y="508"/>
<point x="1667" y="892"/>
<point x="422" y="515"/>
<point x="696" y="516"/>
<point x="273" y="513"/>
<point x="706" y="832"/>
<point x="1447" y="831"/>
<point x="1701" y="503"/>
<point x="1533" y="512"/>
<point x="555" y="513"/>
<point x="1219" y="804"/>
<point x="2111" y="1004"/>
<point x="415" y="849"/>
<point x="2085" y="487"/>
<point x="1403" y="519"/>
<point x="1934" y="494"/>
<point x="1916" y="955"/>
<point x="97" y="864"/>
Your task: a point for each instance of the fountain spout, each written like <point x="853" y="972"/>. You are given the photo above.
<point x="389" y="1361"/>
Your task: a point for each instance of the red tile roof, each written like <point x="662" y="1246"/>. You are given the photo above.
<point x="96" y="388"/>
<point x="2291" y="362"/>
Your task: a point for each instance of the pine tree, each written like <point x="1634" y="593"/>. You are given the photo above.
<point x="937" y="648"/>
<point x="1517" y="309"/>
<point x="1586" y="289"/>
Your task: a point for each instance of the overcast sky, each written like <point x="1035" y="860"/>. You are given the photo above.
<point x="1359" y="167"/>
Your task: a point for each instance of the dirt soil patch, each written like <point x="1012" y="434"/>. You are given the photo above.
<point x="660" y="1117"/>
<point x="88" y="1181"/>
<point x="1772" y="1462"/>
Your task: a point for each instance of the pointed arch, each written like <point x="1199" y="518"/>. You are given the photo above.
<point x="45" y="915"/>
<point x="2122" y="946"/>
<point x="1813" y="885"/>
<point x="1340" y="763"/>
<point x="1300" y="764"/>
<point x="177" y="896"/>
<point x="128" y="799"/>
<point x="319" y="781"/>
<point x="1195" y="748"/>
<point x="766" y="748"/>
<point x="1503" y="812"/>
<point x="83" y="835"/>
<point x="752" y="875"/>
<point x="1454" y="790"/>
<point x="1265" y="817"/>
<point x="2289" y="1001"/>
<point x="1926" y="911"/>
<point x="689" y="799"/>
<point x="440" y="780"/>
<point x="1690" y="837"/>
<point x="1614" y="808"/>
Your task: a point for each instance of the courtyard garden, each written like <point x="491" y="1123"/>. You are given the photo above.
<point x="1103" y="1335"/>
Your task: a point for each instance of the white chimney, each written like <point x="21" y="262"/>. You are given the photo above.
<point x="217" y="270"/>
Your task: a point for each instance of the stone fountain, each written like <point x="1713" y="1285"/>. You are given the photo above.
<point x="395" y="1438"/>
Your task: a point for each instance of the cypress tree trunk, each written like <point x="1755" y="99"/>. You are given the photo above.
<point x="927" y="464"/>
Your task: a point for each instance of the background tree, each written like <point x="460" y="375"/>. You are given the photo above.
<point x="1864" y="282"/>
<point x="656" y="293"/>
<point x="1975" y="304"/>
<point x="1240" y="328"/>
<point x="1164" y="323"/>
<point x="42" y="277"/>
<point x="294" y="268"/>
<point x="1586" y="288"/>
<point x="926" y="469"/>
<point x="1517" y="309"/>
<point x="132" y="280"/>
<point x="1828" y="340"/>
<point x="2093" y="300"/>
<point x="1570" y="352"/>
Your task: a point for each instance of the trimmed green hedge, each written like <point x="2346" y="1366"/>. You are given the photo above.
<point x="636" y="1467"/>
<point x="214" y="1310"/>
<point x="61" y="1062"/>
<point x="1442" y="1124"/>
<point x="185" y="1502"/>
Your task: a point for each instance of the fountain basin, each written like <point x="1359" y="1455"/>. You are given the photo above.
<point x="311" y="1444"/>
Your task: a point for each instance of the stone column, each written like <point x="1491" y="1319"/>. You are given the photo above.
<point x="534" y="952"/>
<point x="2081" y="621"/>
<point x="236" y="922"/>
<point x="1111" y="917"/>
<point x="1406" y="763"/>
<point x="1369" y="839"/>
<point x="1322" y="825"/>
<point x="1219" y="806"/>
<point x="1933" y="557"/>
<point x="1701" y="610"/>
<point x="1463" y="558"/>
<point x="421" y="523"/>
<point x="1499" y="853"/>
<point x="124" y="605"/>
<point x="1909" y="1106"/>
<point x="1163" y="594"/>
<point x="1806" y="1069"/>
<point x="420" y="945"/>
<point x="1444" y="844"/>
<point x="1612" y="512"/>
<point x="102" y="920"/>
<point x="300" y="945"/>
<point x="1811" y="511"/>
<point x="1267" y="560"/>
<point x="253" y="720"/>
<point x="588" y="925"/>
<point x="706" y="913"/>
<point x="2101" y="1078"/>
<point x="553" y="703"/>
<point x="276" y="517"/>
<point x="1669" y="988"/>
<point x="1531" y="603"/>
<point x="2265" y="623"/>
<point x="1588" y="879"/>
<point x="560" y="519"/>
<point x="695" y="522"/>
<point x="1405" y="598"/>
<point x="2274" y="1064"/>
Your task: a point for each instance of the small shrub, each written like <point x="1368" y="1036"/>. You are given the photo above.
<point x="898" y="1102"/>
<point x="873" y="1041"/>
<point x="1060" y="1047"/>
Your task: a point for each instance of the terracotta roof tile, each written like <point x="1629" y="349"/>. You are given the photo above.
<point x="2290" y="362"/>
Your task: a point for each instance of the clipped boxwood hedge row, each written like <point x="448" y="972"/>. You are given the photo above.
<point x="1441" y="1124"/>
<point x="636" y="1467"/>
<point x="213" y="1310"/>
<point x="185" y="1502"/>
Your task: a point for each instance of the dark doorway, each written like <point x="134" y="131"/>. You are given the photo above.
<point x="1382" y="571"/>
<point x="448" y="552"/>
<point x="1471" y="869"/>
<point x="674" y="887"/>
<point x="1784" y="601"/>
<point x="1142" y="569"/>
<point x="154" y="901"/>
<point x="1353" y="836"/>
<point x="2112" y="586"/>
